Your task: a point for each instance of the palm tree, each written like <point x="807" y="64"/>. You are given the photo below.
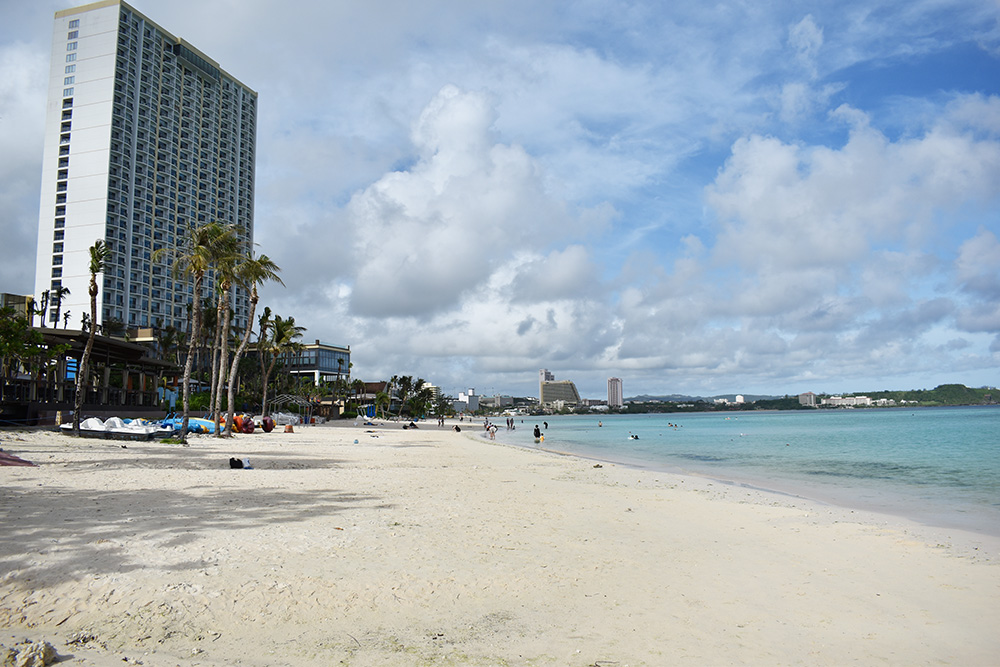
<point x="393" y="383"/>
<point x="284" y="335"/>
<point x="220" y="349"/>
<point x="203" y="246"/>
<point x="57" y="296"/>
<point x="66" y="318"/>
<point x="168" y="340"/>
<point x="358" y="387"/>
<point x="249" y="273"/>
<point x="405" y="385"/>
<point x="99" y="254"/>
<point x="43" y="309"/>
<point x="422" y="396"/>
<point x="382" y="401"/>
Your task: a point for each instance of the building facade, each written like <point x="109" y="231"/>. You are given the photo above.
<point x="615" y="396"/>
<point x="145" y="138"/>
<point x="544" y="376"/>
<point x="561" y="392"/>
<point x="319" y="362"/>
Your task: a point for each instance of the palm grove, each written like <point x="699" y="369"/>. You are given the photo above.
<point x="209" y="349"/>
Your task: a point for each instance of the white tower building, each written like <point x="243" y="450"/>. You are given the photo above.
<point x="615" y="397"/>
<point x="145" y="137"/>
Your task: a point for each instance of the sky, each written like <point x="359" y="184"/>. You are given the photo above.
<point x="698" y="198"/>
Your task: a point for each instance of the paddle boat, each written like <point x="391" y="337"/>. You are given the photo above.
<point x="116" y="428"/>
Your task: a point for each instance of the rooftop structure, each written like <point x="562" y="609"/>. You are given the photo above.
<point x="544" y="376"/>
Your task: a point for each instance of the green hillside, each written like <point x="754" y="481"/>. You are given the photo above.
<point x="945" y="394"/>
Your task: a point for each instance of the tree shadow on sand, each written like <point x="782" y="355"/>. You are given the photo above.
<point x="82" y="532"/>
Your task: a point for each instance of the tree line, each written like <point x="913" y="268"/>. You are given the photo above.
<point x="210" y="349"/>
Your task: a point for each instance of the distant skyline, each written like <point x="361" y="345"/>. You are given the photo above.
<point x="698" y="199"/>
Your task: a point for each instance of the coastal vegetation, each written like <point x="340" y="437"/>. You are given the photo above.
<point x="942" y="395"/>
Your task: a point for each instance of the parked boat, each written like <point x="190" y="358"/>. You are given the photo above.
<point x="116" y="428"/>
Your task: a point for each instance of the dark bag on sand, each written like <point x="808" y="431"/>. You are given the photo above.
<point x="235" y="463"/>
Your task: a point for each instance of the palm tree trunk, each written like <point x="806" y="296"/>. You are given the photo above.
<point x="195" y="336"/>
<point x="267" y="377"/>
<point x="223" y="364"/>
<point x="231" y="404"/>
<point x="218" y="367"/>
<point x="81" y="371"/>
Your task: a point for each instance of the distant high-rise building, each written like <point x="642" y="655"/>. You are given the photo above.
<point x="145" y="138"/>
<point x="615" y="398"/>
<point x="544" y="376"/>
<point x="561" y="392"/>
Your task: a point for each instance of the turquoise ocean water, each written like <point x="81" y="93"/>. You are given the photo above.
<point x="940" y="466"/>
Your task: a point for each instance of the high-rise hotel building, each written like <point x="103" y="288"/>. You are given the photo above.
<point x="615" y="397"/>
<point x="145" y="137"/>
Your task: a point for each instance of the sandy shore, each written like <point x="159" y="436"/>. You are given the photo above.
<point x="431" y="547"/>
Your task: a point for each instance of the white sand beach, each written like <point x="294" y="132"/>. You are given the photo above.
<point x="430" y="547"/>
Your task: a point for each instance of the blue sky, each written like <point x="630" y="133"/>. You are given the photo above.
<point x="701" y="199"/>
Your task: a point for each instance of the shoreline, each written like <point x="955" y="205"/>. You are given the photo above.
<point x="923" y="506"/>
<point x="433" y="547"/>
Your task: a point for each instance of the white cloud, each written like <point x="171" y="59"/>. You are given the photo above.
<point x="977" y="267"/>
<point x="470" y="191"/>
<point x="428" y="234"/>
<point x="806" y="39"/>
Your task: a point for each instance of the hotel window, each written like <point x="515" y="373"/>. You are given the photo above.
<point x="75" y="23"/>
<point x="70" y="57"/>
<point x="57" y="260"/>
<point x="57" y="273"/>
<point x="71" y="46"/>
<point x="67" y="92"/>
<point x="57" y="247"/>
<point x="69" y="80"/>
<point x="70" y="69"/>
<point x="73" y="34"/>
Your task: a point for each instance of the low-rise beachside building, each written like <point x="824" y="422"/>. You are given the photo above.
<point x="847" y="401"/>
<point x="19" y="302"/>
<point x="497" y="401"/>
<point x="320" y="361"/>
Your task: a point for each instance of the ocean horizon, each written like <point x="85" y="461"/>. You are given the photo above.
<point x="938" y="466"/>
